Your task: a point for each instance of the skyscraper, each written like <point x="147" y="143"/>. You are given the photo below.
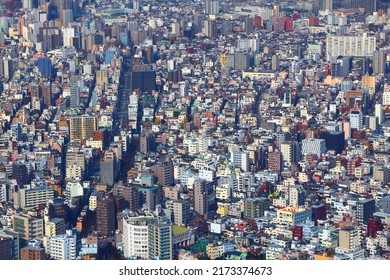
<point x="82" y="127"/>
<point x="200" y="197"/>
<point x="160" y="241"/>
<point x="74" y="92"/>
<point x="379" y="62"/>
<point x="105" y="216"/>
<point x="212" y="7"/>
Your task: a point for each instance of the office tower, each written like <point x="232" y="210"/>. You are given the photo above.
<point x="163" y="170"/>
<point x="275" y="162"/>
<point x="28" y="227"/>
<point x="63" y="247"/>
<point x="45" y="88"/>
<point x="144" y="80"/>
<point x="105" y="216"/>
<point x="33" y="252"/>
<point x="200" y="197"/>
<point x="135" y="236"/>
<point x="254" y="207"/>
<point x="275" y="63"/>
<point x="296" y="196"/>
<point x="160" y="243"/>
<point x="349" y="238"/>
<point x="290" y="152"/>
<point x="379" y="62"/>
<point x="101" y="77"/>
<point x="313" y="146"/>
<point x="356" y="120"/>
<point x="249" y="25"/>
<point x="364" y="210"/>
<point x="210" y="28"/>
<point x="82" y="127"/>
<point x="240" y="159"/>
<point x="212" y="7"/>
<point x="74" y="92"/>
<point x="67" y="17"/>
<point x="7" y="69"/>
<point x="341" y="68"/>
<point x="20" y="173"/>
<point x="354" y="45"/>
<point x="108" y="169"/>
<point x="5" y="248"/>
<point x="45" y="67"/>
<point x="379" y="113"/>
<point x="334" y="140"/>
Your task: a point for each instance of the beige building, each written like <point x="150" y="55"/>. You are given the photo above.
<point x="82" y="127"/>
<point x="54" y="227"/>
<point x="28" y="227"/>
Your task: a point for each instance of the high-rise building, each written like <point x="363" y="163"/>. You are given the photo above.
<point x="105" y="216"/>
<point x="290" y="152"/>
<point x="254" y="207"/>
<point x="45" y="88"/>
<point x="63" y="247"/>
<point x="379" y="62"/>
<point x="33" y="252"/>
<point x="135" y="236"/>
<point x="364" y="210"/>
<point x="326" y="5"/>
<point x="349" y="238"/>
<point x="275" y="162"/>
<point x="296" y="196"/>
<point x="55" y="226"/>
<point x="334" y="140"/>
<point x="160" y="243"/>
<point x="74" y="92"/>
<point x="108" y="169"/>
<point x="200" y="197"/>
<point x="313" y="146"/>
<point x="379" y="113"/>
<point x="82" y="127"/>
<point x="15" y="242"/>
<point x="356" y="120"/>
<point x="179" y="211"/>
<point x="45" y="67"/>
<point x="354" y="45"/>
<point x="163" y="170"/>
<point x="33" y="197"/>
<point x="28" y="227"/>
<point x="212" y="7"/>
<point x="240" y="159"/>
<point x="20" y="173"/>
<point x="275" y="63"/>
<point x="5" y="248"/>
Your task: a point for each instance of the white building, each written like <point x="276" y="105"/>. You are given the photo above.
<point x="356" y="120"/>
<point x="358" y="45"/>
<point x="63" y="247"/>
<point x="313" y="146"/>
<point x="135" y="236"/>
